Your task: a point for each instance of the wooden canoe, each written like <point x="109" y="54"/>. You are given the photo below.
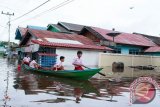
<point x="71" y="74"/>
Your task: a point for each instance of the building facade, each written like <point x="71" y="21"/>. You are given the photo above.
<point x="48" y="46"/>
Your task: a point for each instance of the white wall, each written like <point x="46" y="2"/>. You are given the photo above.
<point x="89" y="57"/>
<point x="106" y="59"/>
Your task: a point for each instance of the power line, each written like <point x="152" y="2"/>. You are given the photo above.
<point x="30" y="11"/>
<point x="55" y="7"/>
<point x="51" y="9"/>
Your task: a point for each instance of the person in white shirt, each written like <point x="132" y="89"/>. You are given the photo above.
<point x="77" y="62"/>
<point x="26" y="60"/>
<point x="59" y="65"/>
<point x="33" y="64"/>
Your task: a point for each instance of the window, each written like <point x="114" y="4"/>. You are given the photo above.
<point x="117" y="50"/>
<point x="134" y="51"/>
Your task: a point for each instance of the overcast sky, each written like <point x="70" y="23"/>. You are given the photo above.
<point x="124" y="15"/>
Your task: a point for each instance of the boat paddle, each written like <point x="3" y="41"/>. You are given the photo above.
<point x="98" y="72"/>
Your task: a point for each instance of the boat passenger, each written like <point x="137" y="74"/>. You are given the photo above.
<point x="77" y="62"/>
<point x="26" y="59"/>
<point x="34" y="64"/>
<point x="59" y="65"/>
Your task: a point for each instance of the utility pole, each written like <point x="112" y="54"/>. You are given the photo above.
<point x="9" y="25"/>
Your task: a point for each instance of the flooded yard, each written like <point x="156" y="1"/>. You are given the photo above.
<point x="25" y="89"/>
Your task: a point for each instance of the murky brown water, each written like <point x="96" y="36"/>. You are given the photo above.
<point x="24" y="89"/>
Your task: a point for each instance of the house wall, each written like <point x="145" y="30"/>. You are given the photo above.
<point x="91" y="36"/>
<point x="152" y="53"/>
<point x="125" y="49"/>
<point x="106" y="59"/>
<point x="90" y="57"/>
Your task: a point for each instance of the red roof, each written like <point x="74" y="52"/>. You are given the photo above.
<point x="48" y="34"/>
<point x="66" y="45"/>
<point x="153" y="49"/>
<point x="125" y="38"/>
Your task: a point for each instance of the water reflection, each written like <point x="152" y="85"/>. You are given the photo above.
<point x="69" y="90"/>
<point x="34" y="84"/>
<point x="35" y="90"/>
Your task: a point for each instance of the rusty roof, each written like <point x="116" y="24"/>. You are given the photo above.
<point x="41" y="36"/>
<point x="155" y="39"/>
<point x="125" y="38"/>
<point x="153" y="49"/>
<point x="48" y="34"/>
<point x="67" y="45"/>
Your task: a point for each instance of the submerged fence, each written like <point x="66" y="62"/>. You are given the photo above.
<point x="106" y="59"/>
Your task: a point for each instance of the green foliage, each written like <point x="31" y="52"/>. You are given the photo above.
<point x="5" y="44"/>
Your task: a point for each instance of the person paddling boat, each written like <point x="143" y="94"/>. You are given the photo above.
<point x="26" y="60"/>
<point x="77" y="62"/>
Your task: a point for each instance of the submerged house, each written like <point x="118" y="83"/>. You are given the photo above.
<point x="48" y="46"/>
<point x="122" y="43"/>
<point x="65" y="27"/>
<point x="154" y="50"/>
<point x="20" y="31"/>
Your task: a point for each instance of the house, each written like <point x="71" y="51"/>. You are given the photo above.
<point x="65" y="27"/>
<point x="154" y="39"/>
<point x="48" y="46"/>
<point x="154" y="50"/>
<point x="20" y="31"/>
<point x="36" y="27"/>
<point x="122" y="43"/>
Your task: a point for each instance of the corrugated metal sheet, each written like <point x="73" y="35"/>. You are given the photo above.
<point x="48" y="34"/>
<point x="65" y="45"/>
<point x="153" y="49"/>
<point x="71" y="26"/>
<point x="60" y="28"/>
<point x="37" y="27"/>
<point x="155" y="39"/>
<point x="125" y="38"/>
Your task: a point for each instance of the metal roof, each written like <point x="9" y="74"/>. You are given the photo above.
<point x="125" y="38"/>
<point x="66" y="45"/>
<point x="48" y="34"/>
<point x="36" y="27"/>
<point x="153" y="49"/>
<point x="71" y="26"/>
<point x="41" y="36"/>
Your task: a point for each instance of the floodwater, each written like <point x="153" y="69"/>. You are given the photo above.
<point x="24" y="89"/>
